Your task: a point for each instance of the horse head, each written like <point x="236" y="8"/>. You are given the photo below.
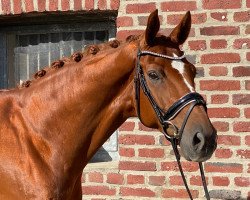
<point x="165" y="90"/>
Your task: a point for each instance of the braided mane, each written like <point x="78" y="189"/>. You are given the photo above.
<point x="76" y="57"/>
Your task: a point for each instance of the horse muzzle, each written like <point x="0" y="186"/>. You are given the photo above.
<point x="199" y="146"/>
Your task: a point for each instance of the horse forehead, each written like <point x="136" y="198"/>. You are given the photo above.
<point x="178" y="64"/>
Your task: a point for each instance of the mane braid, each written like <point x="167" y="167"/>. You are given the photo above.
<point x="75" y="57"/>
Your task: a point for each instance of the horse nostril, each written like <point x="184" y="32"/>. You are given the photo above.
<point x="198" y="141"/>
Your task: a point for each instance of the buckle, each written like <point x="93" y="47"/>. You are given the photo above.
<point x="170" y="130"/>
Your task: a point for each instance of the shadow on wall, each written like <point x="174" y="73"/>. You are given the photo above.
<point x="101" y="156"/>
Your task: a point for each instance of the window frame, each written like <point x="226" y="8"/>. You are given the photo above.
<point x="11" y="26"/>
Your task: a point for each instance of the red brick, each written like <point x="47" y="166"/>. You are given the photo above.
<point x="221" y="4"/>
<point x="102" y="4"/>
<point x="176" y="180"/>
<point x="126" y="152"/>
<point x="219" y="98"/>
<point x="127" y="126"/>
<point x="18" y="6"/>
<point x="242" y="16"/>
<point x="6" y="6"/>
<point x="221" y="126"/>
<point x="156" y="180"/>
<point x="223" y="153"/>
<point x="83" y="178"/>
<point x="114" y="178"/>
<point x="196" y="18"/>
<point x="98" y="190"/>
<point x="172" y="166"/>
<point x="247" y="31"/>
<point x="243" y="153"/>
<point x="136" y="139"/>
<point x="53" y="5"/>
<point x="241" y="43"/>
<point x="220" y="58"/>
<point x="136" y="192"/>
<point x="77" y="5"/>
<point x="241" y="126"/>
<point x="248" y="56"/>
<point x="223" y="112"/>
<point x="241" y="71"/>
<point x="220" y="30"/>
<point x="178" y="6"/>
<point x="140" y="8"/>
<point x="167" y="31"/>
<point x="89" y="4"/>
<point x="241" y="99"/>
<point x="114" y="4"/>
<point x="219" y="85"/>
<point x="41" y="5"/>
<point x="163" y="141"/>
<point x="151" y="153"/>
<point x="248" y="3"/>
<point x="144" y="128"/>
<point x="224" y="167"/>
<point x="218" y="44"/>
<point x="218" y="71"/>
<point x="229" y="140"/>
<point x="137" y="166"/>
<point x="220" y="181"/>
<point x="143" y="20"/>
<point x="135" y="179"/>
<point x="219" y="16"/>
<point x="247" y="84"/>
<point x="29" y="7"/>
<point x="123" y="34"/>
<point x="242" y="181"/>
<point x="96" y="177"/>
<point x="247" y="112"/>
<point x="180" y="193"/>
<point x="247" y="140"/>
<point x="124" y="21"/>
<point x="196" y="180"/>
<point x="127" y="139"/>
<point x="65" y="4"/>
<point x="197" y="45"/>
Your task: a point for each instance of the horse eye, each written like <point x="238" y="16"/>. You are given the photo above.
<point x="153" y="75"/>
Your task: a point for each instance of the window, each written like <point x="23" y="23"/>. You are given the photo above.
<point x="28" y="45"/>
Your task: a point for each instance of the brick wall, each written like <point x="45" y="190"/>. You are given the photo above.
<point x="219" y="44"/>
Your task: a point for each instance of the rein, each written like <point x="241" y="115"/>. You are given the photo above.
<point x="165" y="118"/>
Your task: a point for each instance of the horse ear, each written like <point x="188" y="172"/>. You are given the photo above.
<point x="181" y="31"/>
<point x="153" y="27"/>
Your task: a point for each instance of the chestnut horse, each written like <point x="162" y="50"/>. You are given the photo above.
<point x="52" y="126"/>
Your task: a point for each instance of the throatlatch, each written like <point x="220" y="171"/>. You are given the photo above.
<point x="191" y="99"/>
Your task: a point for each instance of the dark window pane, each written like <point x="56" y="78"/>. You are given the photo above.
<point x="89" y="36"/>
<point x="22" y="40"/>
<point x="77" y="36"/>
<point x="55" y="37"/>
<point x="66" y="36"/>
<point x="33" y="39"/>
<point x="44" y="38"/>
<point x="101" y="35"/>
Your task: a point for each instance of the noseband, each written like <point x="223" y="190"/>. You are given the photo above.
<point x="165" y="118"/>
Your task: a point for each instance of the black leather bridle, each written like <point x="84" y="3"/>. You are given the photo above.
<point x="192" y="99"/>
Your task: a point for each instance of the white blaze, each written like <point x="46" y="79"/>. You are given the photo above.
<point x="179" y="65"/>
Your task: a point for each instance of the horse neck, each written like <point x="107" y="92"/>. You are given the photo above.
<point x="81" y="106"/>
